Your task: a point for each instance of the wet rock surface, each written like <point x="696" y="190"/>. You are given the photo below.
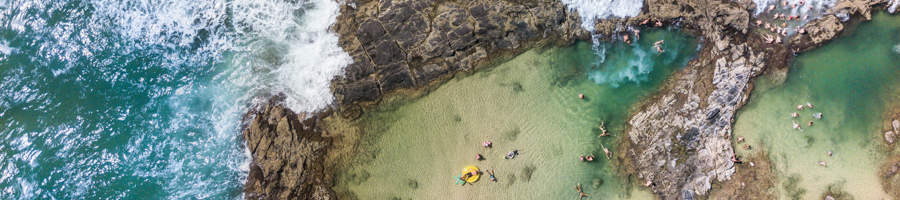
<point x="287" y="157"/>
<point x="409" y="43"/>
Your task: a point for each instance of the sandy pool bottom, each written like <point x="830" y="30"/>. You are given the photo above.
<point x="415" y="149"/>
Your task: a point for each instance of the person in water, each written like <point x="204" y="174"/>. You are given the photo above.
<point x="491" y="172"/>
<point x="602" y="131"/>
<point x="581" y="193"/>
<point x="590" y="158"/>
<point x="487" y="144"/>
<point x="512" y="154"/>
<point x="478" y="157"/>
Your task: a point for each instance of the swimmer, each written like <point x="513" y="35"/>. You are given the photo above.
<point x="801" y="2"/>
<point x="746" y="146"/>
<point x="740" y="139"/>
<point x="512" y="154"/>
<point x="487" y="144"/>
<point x="581" y="157"/>
<point x="637" y="33"/>
<point x="783" y="3"/>
<point x="492" y="174"/>
<point x="799" y="107"/>
<point x="626" y="39"/>
<point x="645" y="21"/>
<point x="808" y="104"/>
<point x="581" y="96"/>
<point x="581" y="193"/>
<point x="829" y="153"/>
<point x="590" y="158"/>
<point x="658" y="23"/>
<point x="658" y="46"/>
<point x="797" y="126"/>
<point x="771" y="7"/>
<point x="818" y="115"/>
<point x="758" y="22"/>
<point x="735" y="160"/>
<point x="801" y="31"/>
<point x="795" y="115"/>
<point x="767" y="25"/>
<point x="822" y="163"/>
<point x="603" y="131"/>
<point x="478" y="157"/>
<point x="809" y="123"/>
<point x="608" y="154"/>
<point x="805" y="17"/>
<point x="794" y="5"/>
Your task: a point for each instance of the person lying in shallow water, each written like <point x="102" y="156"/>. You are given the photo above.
<point x="581" y="193"/>
<point x="491" y="172"/>
<point x="512" y="154"/>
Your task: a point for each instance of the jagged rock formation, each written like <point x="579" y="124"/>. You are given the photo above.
<point x="287" y="157"/>
<point x="407" y="43"/>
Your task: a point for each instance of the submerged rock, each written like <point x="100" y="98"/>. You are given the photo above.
<point x="889" y="137"/>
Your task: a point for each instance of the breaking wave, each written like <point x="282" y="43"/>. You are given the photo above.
<point x="591" y="10"/>
<point x="110" y="99"/>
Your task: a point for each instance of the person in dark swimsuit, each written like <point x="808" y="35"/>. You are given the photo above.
<point x="492" y="175"/>
<point x="581" y="193"/>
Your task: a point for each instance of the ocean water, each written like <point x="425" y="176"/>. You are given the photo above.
<point x="143" y="99"/>
<point x="850" y="89"/>
<point x="413" y="149"/>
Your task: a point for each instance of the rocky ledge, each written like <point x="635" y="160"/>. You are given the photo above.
<point x="288" y="157"/>
<point x="411" y="43"/>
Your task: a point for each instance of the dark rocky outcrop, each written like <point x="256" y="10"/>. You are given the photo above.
<point x="411" y="43"/>
<point x="287" y="157"/>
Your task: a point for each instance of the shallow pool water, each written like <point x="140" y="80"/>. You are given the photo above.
<point x="413" y="150"/>
<point x="848" y="80"/>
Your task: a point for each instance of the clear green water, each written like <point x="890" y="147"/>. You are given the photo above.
<point x="849" y="80"/>
<point x="413" y="150"/>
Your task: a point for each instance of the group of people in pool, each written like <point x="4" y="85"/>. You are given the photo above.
<point x="810" y="122"/>
<point x="797" y="126"/>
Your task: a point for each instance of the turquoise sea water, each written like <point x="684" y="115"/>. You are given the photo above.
<point x="143" y="99"/>
<point x="412" y="150"/>
<point x="849" y="80"/>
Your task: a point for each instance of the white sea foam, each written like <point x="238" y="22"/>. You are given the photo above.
<point x="897" y="48"/>
<point x="818" y="5"/>
<point x="308" y="56"/>
<point x="635" y="69"/>
<point x="893" y="5"/>
<point x="5" y="49"/>
<point x="279" y="51"/>
<point x="591" y="10"/>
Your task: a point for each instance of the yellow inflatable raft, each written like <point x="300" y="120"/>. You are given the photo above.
<point x="469" y="169"/>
